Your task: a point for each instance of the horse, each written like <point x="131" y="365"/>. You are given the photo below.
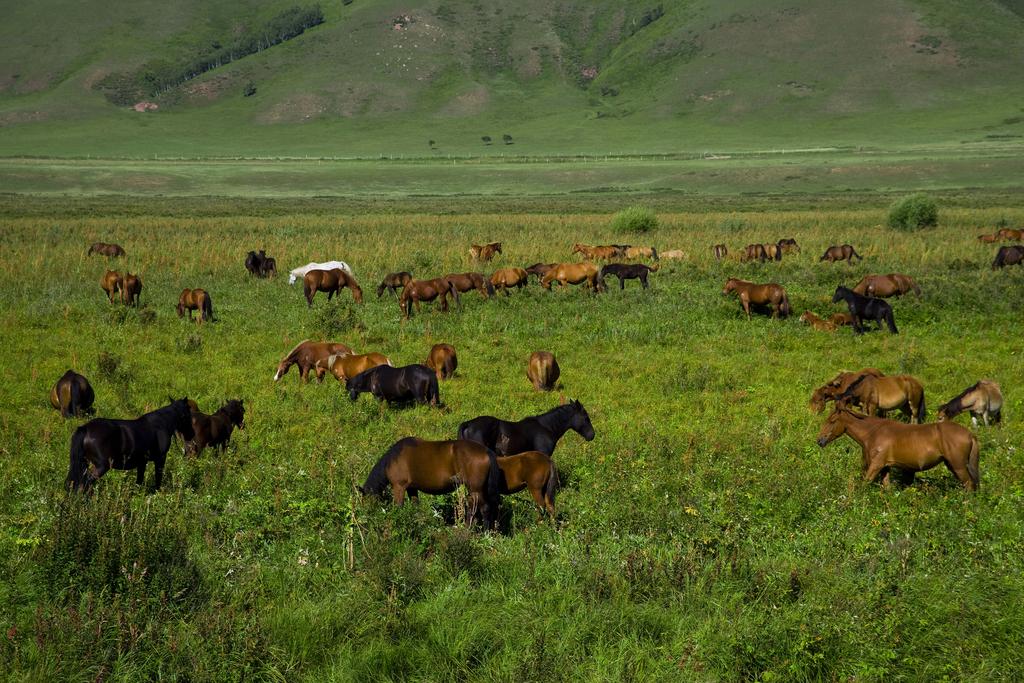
<point x="408" y="383"/>
<point x="841" y="319"/>
<point x="573" y="274"/>
<point x="536" y="433"/>
<point x="126" y="444"/>
<point x="638" y="252"/>
<point x="721" y="251"/>
<point x="817" y="323"/>
<point x="131" y="289"/>
<point x="1008" y="256"/>
<point x="427" y="290"/>
<point x="415" y="465"/>
<point x="788" y="245"/>
<point x="268" y="267"/>
<point x="911" y="448"/>
<point x="112" y="283"/>
<point x="215" y="430"/>
<point x="254" y="262"/>
<point x="306" y="354"/>
<point x="345" y="367"/>
<point x="672" y="254"/>
<point x="884" y="286"/>
<point x="988" y="239"/>
<point x="837" y="385"/>
<point x="629" y="272"/>
<point x="982" y="399"/>
<point x="393" y="280"/>
<point x="760" y="295"/>
<point x="754" y="252"/>
<point x="106" y="249"/>
<point x="542" y="369"/>
<point x="606" y="253"/>
<point x="511" y="277"/>
<point x="1011" y="234"/>
<point x="442" y="360"/>
<point x="195" y="300"/>
<point x="71" y="393"/>
<point x="465" y="282"/>
<point x="533" y="470"/>
<point x="773" y="251"/>
<point x="485" y="252"/>
<point x="538" y="269"/>
<point x="326" y="265"/>
<point x="833" y="254"/>
<point x="862" y="307"/>
<point x="881" y="394"/>
<point x="330" y="281"/>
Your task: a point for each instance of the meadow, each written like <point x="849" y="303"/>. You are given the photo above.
<point x="701" y="536"/>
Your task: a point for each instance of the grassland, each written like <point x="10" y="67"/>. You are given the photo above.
<point x="702" y="534"/>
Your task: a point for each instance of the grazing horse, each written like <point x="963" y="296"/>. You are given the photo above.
<point x="537" y="433"/>
<point x="254" y="262"/>
<point x="817" y="323"/>
<point x="195" y="300"/>
<point x="427" y="290"/>
<point x="1011" y="234"/>
<point x="408" y="383"/>
<point x="606" y="253"/>
<point x="911" y="448"/>
<point x="126" y="444"/>
<point x="330" y="281"/>
<point x="882" y="394"/>
<point x="573" y="274"/>
<point x="884" y="286"/>
<point x="982" y="400"/>
<point x="837" y="385"/>
<point x="112" y="283"/>
<point x="215" y="430"/>
<point x="672" y="254"/>
<point x="106" y="249"/>
<point x="533" y="470"/>
<point x="486" y="252"/>
<point x="442" y="360"/>
<point x="841" y="319"/>
<point x="538" y="269"/>
<point x="721" y="251"/>
<point x="638" y="252"/>
<point x="773" y="251"/>
<point x="327" y="265"/>
<point x="754" y="252"/>
<point x="788" y="245"/>
<point x="629" y="272"/>
<point x="1008" y="256"/>
<point x="392" y="281"/>
<point x="414" y="465"/>
<point x="510" y="277"/>
<point x="71" y="393"/>
<point x="862" y="308"/>
<point x="345" y="366"/>
<point x="306" y="354"/>
<point x="131" y="289"/>
<point x="466" y="282"/>
<point x="988" y="239"/>
<point x="833" y="254"/>
<point x="760" y="295"/>
<point x="542" y="369"/>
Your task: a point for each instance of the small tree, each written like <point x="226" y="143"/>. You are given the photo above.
<point x="507" y="138"/>
<point x="431" y="143"/>
<point x="486" y="139"/>
<point x="249" y="89"/>
<point x="912" y="212"/>
<point x="635" y="219"/>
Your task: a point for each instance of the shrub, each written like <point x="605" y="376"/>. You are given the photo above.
<point x="913" y="211"/>
<point x="635" y="219"/>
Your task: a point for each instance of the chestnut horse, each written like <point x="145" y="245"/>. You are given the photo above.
<point x="641" y="252"/>
<point x="841" y="319"/>
<point x="131" y="289"/>
<point x="427" y="290"/>
<point x="306" y="354"/>
<point x="760" y="295"/>
<point x="1008" y="256"/>
<point x="606" y="252"/>
<point x="106" y="249"/>
<point x="817" y="323"/>
<point x="215" y="430"/>
<point x="881" y="394"/>
<point x="330" y="281"/>
<point x="485" y="252"/>
<point x="112" y="283"/>
<point x="911" y="448"/>
<point x="833" y="254"/>
<point x="71" y="393"/>
<point x="346" y="366"/>
<point x="533" y="470"/>
<point x="573" y="274"/>
<point x="884" y="286"/>
<point x="442" y="360"/>
<point x="982" y="400"/>
<point x="542" y="369"/>
<point x="195" y="300"/>
<point x="466" y="282"/>
<point x="988" y="239"/>
<point x="1011" y="234"/>
<point x="754" y="252"/>
<point x="393" y="281"/>
<point x="510" y="277"/>
<point x="414" y="465"/>
<point x="837" y="385"/>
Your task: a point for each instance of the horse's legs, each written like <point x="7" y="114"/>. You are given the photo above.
<point x="643" y="280"/>
<point x="414" y="496"/>
<point x="140" y="474"/>
<point x="874" y="469"/>
<point x="159" y="466"/>
<point x="960" y="473"/>
<point x="746" y="307"/>
<point x="399" y="494"/>
<point x="974" y="419"/>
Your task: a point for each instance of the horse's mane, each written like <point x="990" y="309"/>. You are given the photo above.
<point x="848" y="393"/>
<point x="557" y="415"/>
<point x="956" y="406"/>
<point x="169" y="415"/>
<point x="378" y="477"/>
<point x="295" y="350"/>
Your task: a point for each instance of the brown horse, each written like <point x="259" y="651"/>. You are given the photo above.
<point x="486" y="252"/>
<point x="215" y="430"/>
<point x="773" y="251"/>
<point x="911" y="448"/>
<point x="881" y="394"/>
<point x="837" y="385"/>
<point x="466" y="282"/>
<point x="195" y="300"/>
<point x="533" y="470"/>
<point x="606" y="253"/>
<point x="106" y="249"/>
<point x="346" y="366"/>
<point x="884" y="286"/>
<point x="542" y="369"/>
<point x="538" y="269"/>
<point x="754" y="252"/>
<point x="71" y="393"/>
<point x="1011" y="234"/>
<point x="841" y="319"/>
<point x="306" y="354"/>
<point x="330" y="281"/>
<point x="442" y="360"/>
<point x="640" y="252"/>
<point x="393" y="281"/>
<point x="760" y="295"/>
<point x="817" y="323"/>
<point x="112" y="283"/>
<point x="510" y="277"/>
<point x="131" y="289"/>
<point x="981" y="400"/>
<point x="414" y="465"/>
<point x="1008" y="256"/>
<point x="788" y="245"/>
<point x="573" y="274"/>
<point x="427" y="290"/>
<point x="833" y="254"/>
<point x="721" y="251"/>
<point x="988" y="239"/>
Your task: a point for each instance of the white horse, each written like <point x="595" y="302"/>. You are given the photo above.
<point x="329" y="265"/>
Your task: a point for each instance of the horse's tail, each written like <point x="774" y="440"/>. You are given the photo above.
<point x="433" y="391"/>
<point x="455" y="293"/>
<point x="551" y="485"/>
<point x="76" y="398"/>
<point x="972" y="462"/>
<point x="891" y="322"/>
<point x="854" y="253"/>
<point x="78" y="466"/>
<point x="917" y="288"/>
<point x="449" y="367"/>
<point x="654" y="254"/>
<point x="307" y="290"/>
<point x="922" y="411"/>
<point x="785" y="308"/>
<point x="207" y="306"/>
<point x="461" y="433"/>
<point x="494" y="477"/>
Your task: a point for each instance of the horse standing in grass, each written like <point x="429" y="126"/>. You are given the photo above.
<point x="754" y="252"/>
<point x="106" y="249"/>
<point x="71" y="393"/>
<point x="881" y="394"/>
<point x="837" y="385"/>
<point x="640" y="252"/>
<point x="254" y="262"/>
<point x="988" y="239"/>
<point x="629" y="272"/>
<point x="573" y="274"/>
<point x="533" y="470"/>
<point x="884" y="286"/>
<point x="112" y="282"/>
<point x="761" y="295"/>
<point x="721" y="251"/>
<point x="443" y="360"/>
<point x="788" y="245"/>
<point x="862" y="308"/>
<point x="485" y="252"/>
<point x="981" y="400"/>
<point x="346" y="366"/>
<point x="536" y="433"/>
<point x="1008" y="256"/>
<point x="397" y="385"/>
<point x="1011" y="234"/>
<point x="510" y="277"/>
<point x="393" y="281"/>
<point x="833" y="254"/>
<point x="467" y="282"/>
<point x="327" y="265"/>
<point x="542" y="369"/>
<point x="195" y="300"/>
<point x="427" y="290"/>
<point x="215" y="430"/>
<point x="330" y="281"/>
<point x="599" y="253"/>
<point x="538" y="269"/>
<point x="672" y="254"/>
<point x="306" y="354"/>
<point x="131" y="290"/>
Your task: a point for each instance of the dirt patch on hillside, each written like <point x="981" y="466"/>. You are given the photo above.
<point x="39" y="83"/>
<point x="17" y="118"/>
<point x="295" y="109"/>
<point x="467" y="104"/>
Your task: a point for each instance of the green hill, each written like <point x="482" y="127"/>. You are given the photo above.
<point x="599" y="77"/>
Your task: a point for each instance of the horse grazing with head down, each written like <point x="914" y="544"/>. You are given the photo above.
<point x="1011" y="234"/>
<point x="542" y="370"/>
<point x="71" y="393"/>
<point x="131" y="289"/>
<point x="538" y="269"/>
<point x="573" y="274"/>
<point x="393" y="281"/>
<point x="254" y="262"/>
<point x="345" y="367"/>
<point x="306" y="354"/>
<point x="112" y="282"/>
<point x="882" y="394"/>
<point x="330" y="281"/>
<point x="862" y="308"/>
<point x="1008" y="256"/>
<point x="884" y="286"/>
<point x="640" y="252"/>
<point x="537" y="433"/>
<point x="510" y="277"/>
<point x="106" y="249"/>
<point x="443" y="360"/>
<point x="788" y="245"/>
<point x="428" y="290"/>
<point x="837" y="385"/>
<point x="195" y="300"/>
<point x="981" y="400"/>
<point x="760" y="295"/>
<point x="754" y="252"/>
<point x="326" y="265"/>
<point x="630" y="271"/>
<point x="397" y="385"/>
<point x="215" y="430"/>
<point x="833" y="254"/>
<point x="988" y="239"/>
<point x="467" y="282"/>
<point x="599" y="253"/>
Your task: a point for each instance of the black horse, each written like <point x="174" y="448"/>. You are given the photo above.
<point x="862" y="308"/>
<point x="537" y="433"/>
<point x="1008" y="256"/>
<point x="268" y="267"/>
<point x="254" y="263"/>
<point x="408" y="383"/>
<point x="629" y="271"/>
<point x="127" y="444"/>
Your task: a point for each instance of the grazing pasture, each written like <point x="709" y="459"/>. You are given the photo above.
<point x="701" y="535"/>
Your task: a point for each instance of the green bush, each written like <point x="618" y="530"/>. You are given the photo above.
<point x="913" y="211"/>
<point x="635" y="219"/>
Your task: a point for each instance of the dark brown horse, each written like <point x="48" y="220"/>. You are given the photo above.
<point x="215" y="430"/>
<point x="414" y="465"/>
<point x="533" y="470"/>
<point x="510" y="277"/>
<point x="878" y="395"/>
<point x="911" y="448"/>
<point x="106" y="249"/>
<point x="131" y="289"/>
<point x="467" y="282"/>
<point x="442" y="360"/>
<point x="393" y="281"/>
<point x="254" y="262"/>
<point x="981" y="400"/>
<point x="427" y="290"/>
<point x="566" y="274"/>
<point x="306" y="354"/>
<point x="1008" y="256"/>
<point x="345" y="367"/>
<point x="884" y="286"/>
<point x="631" y="271"/>
<point x="788" y="245"/>
<point x="195" y="300"/>
<point x="330" y="281"/>
<point x="760" y="295"/>
<point x="542" y="369"/>
<point x="486" y="252"/>
<point x="111" y="284"/>
<point x="71" y="393"/>
<point x="833" y="254"/>
<point x="269" y="267"/>
<point x="538" y="269"/>
<point x="837" y="385"/>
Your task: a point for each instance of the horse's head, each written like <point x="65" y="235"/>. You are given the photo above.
<point x="357" y="292"/>
<point x="818" y="400"/>
<point x="577" y="249"/>
<point x="581" y="421"/>
<point x="839" y="295"/>
<point x="183" y="418"/>
<point x="943" y="413"/>
<point x="235" y="410"/>
<point x="832" y="429"/>
<point x="380" y="290"/>
<point x="729" y="286"/>
<point x="180" y="308"/>
<point x="282" y="368"/>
